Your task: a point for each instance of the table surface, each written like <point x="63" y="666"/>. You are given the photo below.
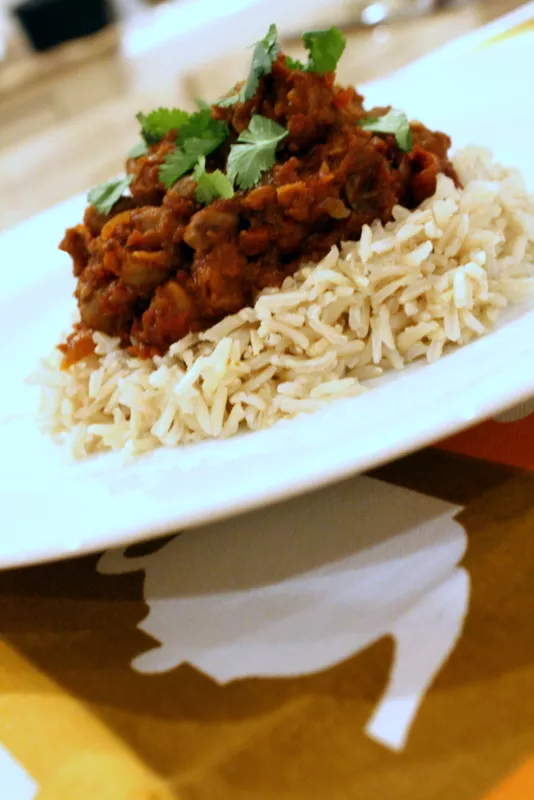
<point x="69" y="634"/>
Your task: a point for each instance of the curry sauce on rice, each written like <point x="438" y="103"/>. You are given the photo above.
<point x="268" y="254"/>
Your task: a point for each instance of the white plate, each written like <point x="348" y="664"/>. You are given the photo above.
<point x="53" y="507"/>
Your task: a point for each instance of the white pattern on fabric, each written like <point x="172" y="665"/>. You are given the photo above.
<point x="15" y="782"/>
<point x="297" y="588"/>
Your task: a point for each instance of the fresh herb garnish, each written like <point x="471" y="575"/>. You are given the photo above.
<point x="294" y="63"/>
<point x="177" y="163"/>
<point x="325" y="48"/>
<point x="211" y="184"/>
<point x="104" y="197"/>
<point x="138" y="150"/>
<point x="159" y="123"/>
<point x="256" y="152"/>
<point x="201" y="104"/>
<point x="263" y="57"/>
<point x="199" y="136"/>
<point x="395" y="122"/>
<point x="324" y="51"/>
<point x="201" y="125"/>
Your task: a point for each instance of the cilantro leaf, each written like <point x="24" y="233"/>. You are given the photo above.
<point x="294" y="63"/>
<point x="211" y="184"/>
<point x="263" y="57"/>
<point x="176" y="164"/>
<point x="138" y="150"/>
<point x="104" y="196"/>
<point x="199" y="136"/>
<point x="395" y="122"/>
<point x="158" y="123"/>
<point x="231" y="100"/>
<point x="201" y="104"/>
<point x="325" y="48"/>
<point x="181" y="160"/>
<point x="256" y="152"/>
<point x="270" y="41"/>
<point x="201" y="125"/>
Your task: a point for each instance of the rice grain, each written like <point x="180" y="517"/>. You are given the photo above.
<point x="431" y="278"/>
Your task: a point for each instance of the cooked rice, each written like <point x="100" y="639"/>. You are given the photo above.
<point x="437" y="276"/>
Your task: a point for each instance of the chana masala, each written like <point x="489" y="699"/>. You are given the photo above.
<point x="223" y="202"/>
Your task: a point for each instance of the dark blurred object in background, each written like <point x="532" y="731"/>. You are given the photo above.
<point x="48" y="23"/>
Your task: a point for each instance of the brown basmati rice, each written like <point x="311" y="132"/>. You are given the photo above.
<point x="439" y="275"/>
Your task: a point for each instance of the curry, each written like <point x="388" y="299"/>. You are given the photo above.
<point x="235" y="197"/>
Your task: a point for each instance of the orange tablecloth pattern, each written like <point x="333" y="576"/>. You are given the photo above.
<point x="81" y="722"/>
<point x="373" y="640"/>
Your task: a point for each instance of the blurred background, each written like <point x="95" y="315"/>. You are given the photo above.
<point x="73" y="73"/>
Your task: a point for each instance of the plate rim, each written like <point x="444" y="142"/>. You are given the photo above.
<point x="471" y="403"/>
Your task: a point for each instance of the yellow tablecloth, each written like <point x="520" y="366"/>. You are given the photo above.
<point x="83" y="723"/>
